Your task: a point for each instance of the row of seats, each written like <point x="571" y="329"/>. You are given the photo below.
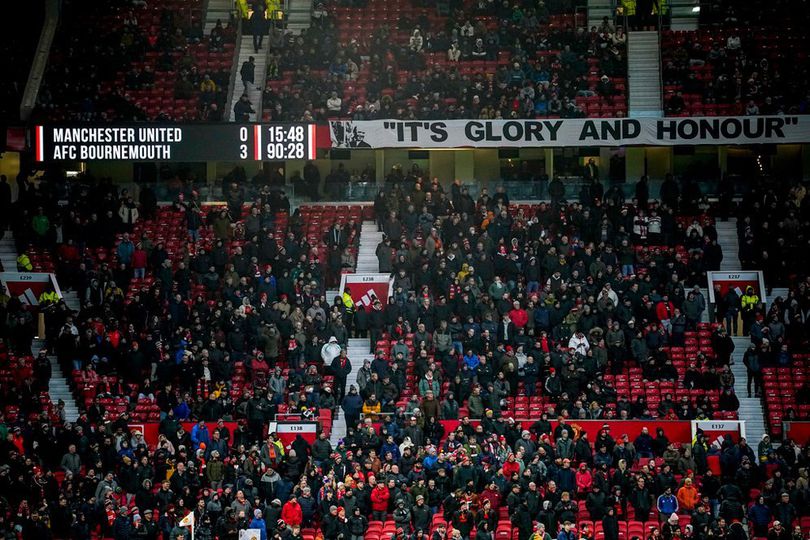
<point x="782" y="385"/>
<point x="93" y="35"/>
<point x="705" y="67"/>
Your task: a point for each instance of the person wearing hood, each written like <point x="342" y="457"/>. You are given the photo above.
<point x="330" y="351"/>
<point x="671" y="529"/>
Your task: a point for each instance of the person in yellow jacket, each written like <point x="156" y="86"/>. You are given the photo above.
<point x="48" y="298"/>
<point x="372" y="407"/>
<point x="348" y="302"/>
<point x="24" y="263"/>
<point x="748" y="306"/>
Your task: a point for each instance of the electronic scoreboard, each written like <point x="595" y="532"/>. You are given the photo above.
<point x="166" y="142"/>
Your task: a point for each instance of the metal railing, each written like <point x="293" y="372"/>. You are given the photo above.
<point x="574" y="188"/>
<point x="234" y="70"/>
<point x="40" y="59"/>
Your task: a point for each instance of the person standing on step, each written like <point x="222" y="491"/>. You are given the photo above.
<point x="341" y="367"/>
<point x="258" y="24"/>
<point x="753" y="368"/>
<point x="248" y="72"/>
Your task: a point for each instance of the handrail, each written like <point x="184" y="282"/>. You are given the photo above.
<point x="234" y="69"/>
<point x="661" y="61"/>
<point x="260" y="106"/>
<point x="40" y="60"/>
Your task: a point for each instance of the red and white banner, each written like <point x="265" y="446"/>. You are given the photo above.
<point x="288" y="431"/>
<point x="28" y="286"/>
<point x="716" y="431"/>
<point x="365" y="288"/>
<point x="738" y="281"/>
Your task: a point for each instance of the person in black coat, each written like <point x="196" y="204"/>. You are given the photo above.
<point x="341" y="367"/>
<point x="352" y="405"/>
<point x="522" y="520"/>
<point x="610" y="525"/>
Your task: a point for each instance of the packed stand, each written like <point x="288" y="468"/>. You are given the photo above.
<point x="746" y="60"/>
<point x="213" y="335"/>
<point x="772" y="222"/>
<point x="453" y="60"/>
<point x="129" y="60"/>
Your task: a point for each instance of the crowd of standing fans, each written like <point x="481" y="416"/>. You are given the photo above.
<point x="491" y="303"/>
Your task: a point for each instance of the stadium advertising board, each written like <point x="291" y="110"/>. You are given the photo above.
<point x="730" y="130"/>
<point x="175" y="142"/>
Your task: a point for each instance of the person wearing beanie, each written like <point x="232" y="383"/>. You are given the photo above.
<point x="258" y="523"/>
<point x="671" y="529"/>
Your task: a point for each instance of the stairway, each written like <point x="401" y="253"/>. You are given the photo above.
<point x="71" y="299"/>
<point x="254" y="92"/>
<point x="730" y="243"/>
<point x="751" y="409"/>
<point x="644" y="74"/>
<point x="58" y="387"/>
<point x="705" y="317"/>
<point x="683" y="15"/>
<point x="370" y="238"/>
<point x="358" y="352"/>
<point x="8" y="253"/>
<point x="217" y="10"/>
<point x="299" y="15"/>
<point x="597" y="10"/>
<point x="776" y="292"/>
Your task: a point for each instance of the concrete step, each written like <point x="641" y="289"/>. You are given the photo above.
<point x="58" y="387"/>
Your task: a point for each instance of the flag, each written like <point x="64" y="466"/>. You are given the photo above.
<point x="187" y="521"/>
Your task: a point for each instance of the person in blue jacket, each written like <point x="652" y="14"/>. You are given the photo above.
<point x="258" y="523"/>
<point x="759" y="515"/>
<point x="667" y="504"/>
<point x="199" y="434"/>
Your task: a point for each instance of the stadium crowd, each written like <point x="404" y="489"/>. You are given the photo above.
<point x="743" y="61"/>
<point x="141" y="64"/>
<point x="491" y="302"/>
<point x="490" y="60"/>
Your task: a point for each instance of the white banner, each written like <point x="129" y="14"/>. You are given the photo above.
<point x="570" y="132"/>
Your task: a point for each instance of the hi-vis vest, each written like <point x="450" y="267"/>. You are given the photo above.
<point x="24" y="263"/>
<point x="48" y="297"/>
<point x="348" y="303"/>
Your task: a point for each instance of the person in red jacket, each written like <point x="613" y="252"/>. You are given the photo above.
<point x="518" y="315"/>
<point x="511" y="466"/>
<point x="139" y="260"/>
<point x="664" y="311"/>
<point x="292" y="513"/>
<point x="491" y="494"/>
<point x="379" y="502"/>
<point x="584" y="479"/>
